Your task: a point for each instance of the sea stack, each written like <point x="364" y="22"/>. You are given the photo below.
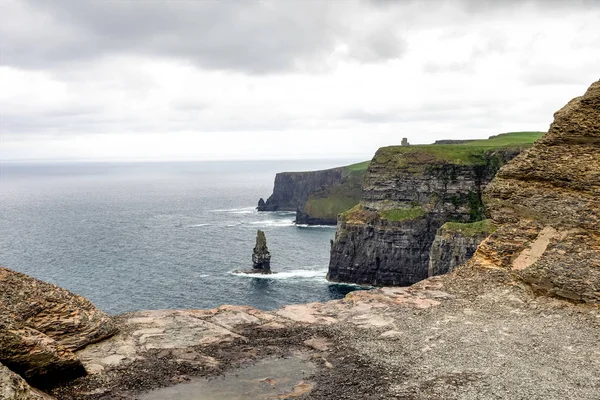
<point x="261" y="258"/>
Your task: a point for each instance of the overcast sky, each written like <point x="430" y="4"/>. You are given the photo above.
<point x="114" y="80"/>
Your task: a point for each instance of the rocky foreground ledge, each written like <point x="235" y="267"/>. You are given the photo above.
<point x="463" y="336"/>
<point x="521" y="320"/>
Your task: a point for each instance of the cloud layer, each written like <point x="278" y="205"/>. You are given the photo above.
<point x="254" y="79"/>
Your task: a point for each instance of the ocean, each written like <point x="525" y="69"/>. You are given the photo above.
<point x="161" y="235"/>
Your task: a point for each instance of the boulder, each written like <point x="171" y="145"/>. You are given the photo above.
<point x="42" y="325"/>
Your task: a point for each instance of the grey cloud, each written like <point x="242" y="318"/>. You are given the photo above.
<point x="251" y="36"/>
<point x="541" y="75"/>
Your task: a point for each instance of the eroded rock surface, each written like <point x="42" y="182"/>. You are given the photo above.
<point x="13" y="387"/>
<point x="546" y="203"/>
<point x="41" y="325"/>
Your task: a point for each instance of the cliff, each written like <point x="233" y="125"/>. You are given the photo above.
<point x="455" y="243"/>
<point x="409" y="192"/>
<point x="316" y="196"/>
<point x="291" y="189"/>
<point x="546" y="203"/>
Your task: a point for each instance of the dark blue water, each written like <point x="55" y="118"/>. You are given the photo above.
<point x="160" y="235"/>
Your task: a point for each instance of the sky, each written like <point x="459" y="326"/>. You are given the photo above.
<point x="187" y="80"/>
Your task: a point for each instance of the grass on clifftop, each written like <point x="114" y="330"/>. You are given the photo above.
<point x="328" y="203"/>
<point x="358" y="167"/>
<point x="507" y="139"/>
<point x="402" y="214"/>
<point x="486" y="227"/>
<point x="329" y="207"/>
<point x="358" y="215"/>
<point x="461" y="153"/>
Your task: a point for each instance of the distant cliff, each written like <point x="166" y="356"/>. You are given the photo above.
<point x="316" y="196"/>
<point x="409" y="192"/>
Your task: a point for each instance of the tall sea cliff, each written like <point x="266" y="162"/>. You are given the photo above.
<point x="409" y="192"/>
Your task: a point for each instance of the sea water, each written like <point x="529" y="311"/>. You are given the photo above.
<point x="134" y="236"/>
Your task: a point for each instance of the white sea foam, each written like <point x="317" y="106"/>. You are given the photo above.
<point x="303" y="226"/>
<point x="273" y="222"/>
<point x="298" y="274"/>
<point x="198" y="225"/>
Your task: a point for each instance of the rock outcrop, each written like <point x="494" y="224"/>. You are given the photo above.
<point x="546" y="203"/>
<point x="408" y="193"/>
<point x="42" y="325"/>
<point x="455" y="243"/>
<point x="261" y="257"/>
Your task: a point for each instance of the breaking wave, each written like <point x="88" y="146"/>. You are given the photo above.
<point x="273" y="223"/>
<point x="311" y="274"/>
<point x="305" y="226"/>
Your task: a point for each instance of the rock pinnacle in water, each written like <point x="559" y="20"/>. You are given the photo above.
<point x="261" y="258"/>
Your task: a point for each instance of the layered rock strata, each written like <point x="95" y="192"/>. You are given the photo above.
<point x="546" y="203"/>
<point x="455" y="243"/>
<point x="408" y="193"/>
<point x="42" y="325"/>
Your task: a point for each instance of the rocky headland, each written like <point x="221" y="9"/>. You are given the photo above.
<point x="408" y="193"/>
<point x="317" y="197"/>
<point x="520" y="320"/>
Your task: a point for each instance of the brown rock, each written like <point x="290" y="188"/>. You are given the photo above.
<point x="13" y="387"/>
<point x="41" y="325"/>
<point x="547" y="205"/>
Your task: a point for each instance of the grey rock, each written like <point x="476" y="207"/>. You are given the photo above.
<point x="261" y="257"/>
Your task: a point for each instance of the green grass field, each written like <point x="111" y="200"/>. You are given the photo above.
<point x="462" y="153"/>
<point x="402" y="214"/>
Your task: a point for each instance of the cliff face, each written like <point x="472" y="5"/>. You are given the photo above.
<point x="455" y="244"/>
<point x="316" y="196"/>
<point x="370" y="253"/>
<point x="391" y="245"/>
<point x="546" y="203"/>
<point x="291" y="189"/>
